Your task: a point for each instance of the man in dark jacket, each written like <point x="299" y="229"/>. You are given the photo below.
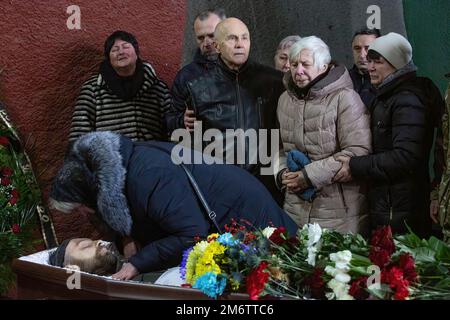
<point x="402" y="135"/>
<point x="240" y="95"/>
<point x="359" y="73"/>
<point x="206" y="55"/>
<point x="139" y="192"/>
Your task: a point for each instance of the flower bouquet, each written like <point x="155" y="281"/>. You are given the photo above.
<point x="19" y="196"/>
<point x="318" y="263"/>
<point x="328" y="265"/>
<point x="234" y="261"/>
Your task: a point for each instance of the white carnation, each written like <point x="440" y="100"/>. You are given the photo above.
<point x="312" y="252"/>
<point x="342" y="277"/>
<point x="267" y="232"/>
<point x="314" y="234"/>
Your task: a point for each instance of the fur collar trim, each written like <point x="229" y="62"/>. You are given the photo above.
<point x="99" y="154"/>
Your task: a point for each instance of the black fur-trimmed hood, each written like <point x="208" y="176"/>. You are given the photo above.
<point x="93" y="174"/>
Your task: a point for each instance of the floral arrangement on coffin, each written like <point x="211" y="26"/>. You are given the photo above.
<point x="320" y="264"/>
<point x="19" y="196"/>
<point x="234" y="261"/>
<point x="328" y="265"/>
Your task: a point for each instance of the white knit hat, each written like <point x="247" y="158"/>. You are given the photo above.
<point x="394" y="47"/>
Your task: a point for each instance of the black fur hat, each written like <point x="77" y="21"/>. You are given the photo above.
<point x="74" y="183"/>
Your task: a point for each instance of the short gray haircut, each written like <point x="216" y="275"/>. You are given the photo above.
<point x="202" y="16"/>
<point x="319" y="49"/>
<point x="66" y="207"/>
<point x="287" y="42"/>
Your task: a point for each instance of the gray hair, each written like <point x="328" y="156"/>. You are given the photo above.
<point x="319" y="49"/>
<point x="287" y="42"/>
<point x="66" y="207"/>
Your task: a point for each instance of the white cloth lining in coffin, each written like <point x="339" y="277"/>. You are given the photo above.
<point x="169" y="278"/>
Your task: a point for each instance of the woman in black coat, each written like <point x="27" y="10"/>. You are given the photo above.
<point x="139" y="192"/>
<point x="402" y="135"/>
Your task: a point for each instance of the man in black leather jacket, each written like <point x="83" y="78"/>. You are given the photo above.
<point x="205" y="57"/>
<point x="238" y="94"/>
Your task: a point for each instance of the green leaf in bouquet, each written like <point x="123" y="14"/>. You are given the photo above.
<point x="381" y="292"/>
<point x="411" y="240"/>
<point x="443" y="284"/>
<point x="423" y="255"/>
<point x="441" y="249"/>
<point x="441" y="269"/>
<point x="360" y="271"/>
<point x="359" y="260"/>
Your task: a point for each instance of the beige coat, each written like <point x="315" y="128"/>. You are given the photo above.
<point x="330" y="121"/>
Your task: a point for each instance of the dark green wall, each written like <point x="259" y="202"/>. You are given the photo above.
<point x="428" y="28"/>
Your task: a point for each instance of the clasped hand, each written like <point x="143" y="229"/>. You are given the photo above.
<point x="344" y="174"/>
<point x="294" y="181"/>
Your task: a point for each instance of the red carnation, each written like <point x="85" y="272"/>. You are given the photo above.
<point x="394" y="277"/>
<point x="13" y="201"/>
<point x="256" y="281"/>
<point x="278" y="236"/>
<point x="7" y="171"/>
<point x="408" y="266"/>
<point x="379" y="256"/>
<point x="358" y="289"/>
<point x="383" y="239"/>
<point x="5" y="181"/>
<point x="4" y="141"/>
<point x="401" y="293"/>
<point x="15" y="228"/>
<point x="316" y="284"/>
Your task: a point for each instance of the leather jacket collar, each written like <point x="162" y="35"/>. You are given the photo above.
<point x="232" y="73"/>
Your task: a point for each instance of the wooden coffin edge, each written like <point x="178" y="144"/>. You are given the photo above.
<point x="37" y="281"/>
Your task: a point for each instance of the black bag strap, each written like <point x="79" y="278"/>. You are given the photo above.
<point x="211" y="215"/>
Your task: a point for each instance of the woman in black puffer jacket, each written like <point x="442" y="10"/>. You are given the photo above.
<point x="402" y="135"/>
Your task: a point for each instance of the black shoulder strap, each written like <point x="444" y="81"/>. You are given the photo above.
<point x="211" y="215"/>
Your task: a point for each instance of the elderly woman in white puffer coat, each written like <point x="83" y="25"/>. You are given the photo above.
<point x="322" y="116"/>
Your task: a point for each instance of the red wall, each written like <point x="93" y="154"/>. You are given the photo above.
<point x="44" y="65"/>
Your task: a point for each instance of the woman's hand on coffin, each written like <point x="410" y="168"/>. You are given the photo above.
<point x="127" y="272"/>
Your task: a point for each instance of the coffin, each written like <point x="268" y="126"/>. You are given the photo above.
<point x="38" y="280"/>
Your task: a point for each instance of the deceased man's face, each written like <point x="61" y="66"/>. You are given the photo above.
<point x="99" y="257"/>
